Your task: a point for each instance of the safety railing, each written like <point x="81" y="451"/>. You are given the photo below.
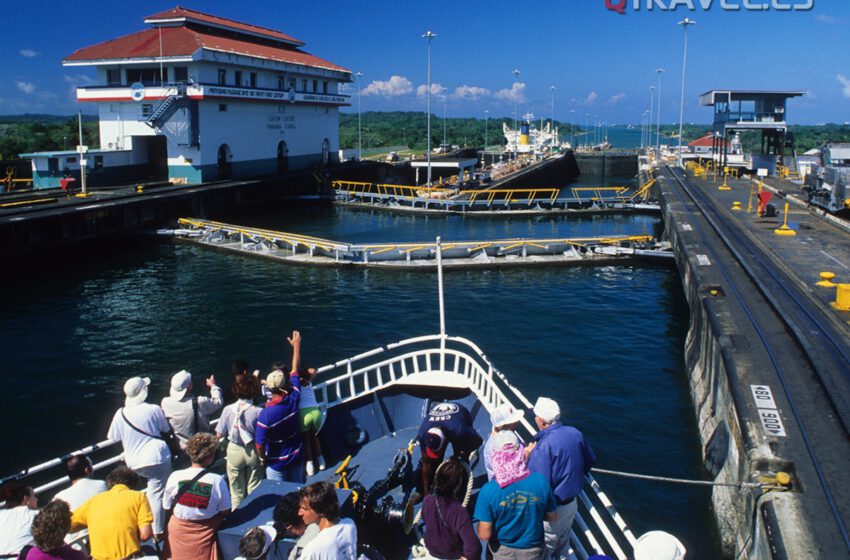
<point x="599" y="193"/>
<point x="385" y="189"/>
<point x="506" y="196"/>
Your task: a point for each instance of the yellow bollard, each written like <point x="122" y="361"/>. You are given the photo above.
<point x="826" y="280"/>
<point x="140" y="188"/>
<point x="842" y="297"/>
<point x="736" y="206"/>
<point x="784" y="229"/>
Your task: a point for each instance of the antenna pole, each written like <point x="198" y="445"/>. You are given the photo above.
<point x="440" y="287"/>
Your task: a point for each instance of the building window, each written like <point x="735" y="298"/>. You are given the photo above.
<point x="315" y="86"/>
<point x="222" y="107"/>
<point x="181" y="74"/>
<point x="325" y="87"/>
<point x="147" y="109"/>
<point x="53" y="165"/>
<point x="281" y="83"/>
<point x="71" y="160"/>
<point x="146" y="76"/>
<point x="304" y="85"/>
<point x="253" y="79"/>
<point x="237" y="77"/>
<point x="222" y="76"/>
<point x="113" y="77"/>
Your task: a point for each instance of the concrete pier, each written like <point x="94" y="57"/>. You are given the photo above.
<point x="768" y="363"/>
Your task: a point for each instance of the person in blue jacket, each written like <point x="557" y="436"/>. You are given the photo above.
<point x="278" y="433"/>
<point x="563" y="457"/>
<point x="446" y="422"/>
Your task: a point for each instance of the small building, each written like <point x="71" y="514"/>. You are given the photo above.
<point x="705" y="145"/>
<point x="752" y="110"/>
<point x="196" y="97"/>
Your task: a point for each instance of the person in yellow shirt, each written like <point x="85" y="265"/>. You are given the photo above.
<point x="118" y="519"/>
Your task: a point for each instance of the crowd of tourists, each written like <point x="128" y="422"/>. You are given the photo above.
<point x="524" y="511"/>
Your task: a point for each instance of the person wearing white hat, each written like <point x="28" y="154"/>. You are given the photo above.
<point x="139" y="427"/>
<point x="256" y="542"/>
<point x="504" y="418"/>
<point x="658" y="545"/>
<point x="560" y="454"/>
<point x="189" y="414"/>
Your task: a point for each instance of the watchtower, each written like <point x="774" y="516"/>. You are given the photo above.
<point x="748" y="110"/>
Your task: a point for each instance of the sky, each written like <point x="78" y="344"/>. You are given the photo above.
<point x="601" y="63"/>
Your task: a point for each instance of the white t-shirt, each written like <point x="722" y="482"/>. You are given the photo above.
<point x="334" y="543"/>
<point x="15" y="526"/>
<point x="141" y="450"/>
<point x="308" y="397"/>
<point x="309" y="534"/>
<point x="80" y="492"/>
<point x="209" y="496"/>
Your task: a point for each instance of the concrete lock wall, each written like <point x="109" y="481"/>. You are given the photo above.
<point x="733" y="446"/>
<point x="601" y="163"/>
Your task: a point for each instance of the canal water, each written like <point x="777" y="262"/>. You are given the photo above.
<point x="605" y="342"/>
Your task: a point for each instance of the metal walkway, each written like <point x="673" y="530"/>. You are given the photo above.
<point x="488" y="201"/>
<point x="306" y="250"/>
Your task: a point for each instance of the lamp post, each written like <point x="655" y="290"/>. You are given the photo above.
<point x="586" y="129"/>
<point x="659" y="71"/>
<point x="516" y="112"/>
<point x="357" y="77"/>
<point x="552" y="119"/>
<point x="572" y="118"/>
<point x="444" y="92"/>
<point x="685" y="23"/>
<point x="649" y="124"/>
<point x="486" y="122"/>
<point x="429" y="36"/>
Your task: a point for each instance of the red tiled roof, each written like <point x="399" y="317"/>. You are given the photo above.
<point x="182" y="41"/>
<point x="704" y="141"/>
<point x="193" y="15"/>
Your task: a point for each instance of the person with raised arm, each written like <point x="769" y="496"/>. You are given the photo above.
<point x="278" y="435"/>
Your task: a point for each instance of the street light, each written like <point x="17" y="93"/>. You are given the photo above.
<point x="552" y="119"/>
<point x="685" y="23"/>
<point x="429" y="36"/>
<point x="444" y="91"/>
<point x="658" y="115"/>
<point x="357" y="77"/>
<point x="586" y="129"/>
<point x="649" y="123"/>
<point x="516" y="112"/>
<point x="486" y="122"/>
<point x="572" y="113"/>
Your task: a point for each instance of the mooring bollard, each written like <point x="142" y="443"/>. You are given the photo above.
<point x="842" y="297"/>
<point x="784" y="229"/>
<point x="826" y="280"/>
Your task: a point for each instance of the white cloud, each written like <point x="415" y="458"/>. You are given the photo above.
<point x="75" y="81"/>
<point x="26" y="87"/>
<point x="616" y="98"/>
<point x="395" y="86"/>
<point x="436" y="89"/>
<point x="28" y="53"/>
<point x="845" y="85"/>
<point x="515" y="94"/>
<point x="472" y="93"/>
<point x="591" y="98"/>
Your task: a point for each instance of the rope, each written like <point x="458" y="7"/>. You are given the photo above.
<point x="740" y="485"/>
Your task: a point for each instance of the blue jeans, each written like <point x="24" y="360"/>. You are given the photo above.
<point x="293" y="472"/>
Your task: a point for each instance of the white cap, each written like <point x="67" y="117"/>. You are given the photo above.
<point x="136" y="390"/>
<point x="180" y="382"/>
<point x="504" y="415"/>
<point x="270" y="534"/>
<point x="658" y="545"/>
<point x="506" y="439"/>
<point x="547" y="410"/>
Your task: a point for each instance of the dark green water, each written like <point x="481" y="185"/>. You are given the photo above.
<point x="606" y="342"/>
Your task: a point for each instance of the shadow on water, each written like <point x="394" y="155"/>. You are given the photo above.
<point x="606" y="342"/>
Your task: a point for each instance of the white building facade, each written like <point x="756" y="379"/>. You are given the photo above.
<point x="204" y="98"/>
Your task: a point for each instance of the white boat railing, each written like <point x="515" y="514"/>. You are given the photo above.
<point x="425" y="360"/>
